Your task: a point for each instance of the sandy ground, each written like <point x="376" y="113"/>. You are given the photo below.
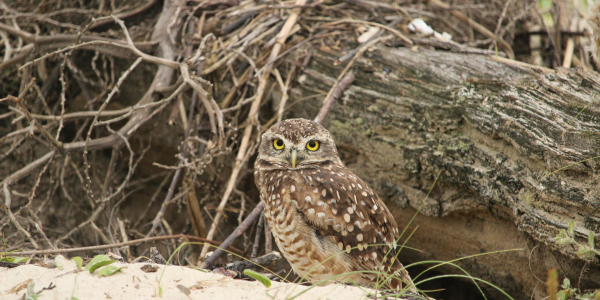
<point x="133" y="283"/>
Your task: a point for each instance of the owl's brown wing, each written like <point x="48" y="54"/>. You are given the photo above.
<point x="345" y="209"/>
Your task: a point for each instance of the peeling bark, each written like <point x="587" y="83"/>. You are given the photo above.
<point x="494" y="133"/>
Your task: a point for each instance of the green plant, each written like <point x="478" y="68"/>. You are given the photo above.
<point x="588" y="252"/>
<point x="259" y="277"/>
<point x="31" y="294"/>
<point x="568" y="292"/>
<point x="78" y="261"/>
<point x="13" y="259"/>
<point x="567" y="237"/>
<point x="100" y="262"/>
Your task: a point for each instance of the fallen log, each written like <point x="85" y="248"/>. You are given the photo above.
<point x="498" y="135"/>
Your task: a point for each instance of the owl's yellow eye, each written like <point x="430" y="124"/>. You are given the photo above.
<point x="312" y="145"/>
<point x="278" y="144"/>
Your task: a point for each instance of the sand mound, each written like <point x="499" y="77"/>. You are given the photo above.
<point x="133" y="283"/>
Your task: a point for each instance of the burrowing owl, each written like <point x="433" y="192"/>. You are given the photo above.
<point x="325" y="220"/>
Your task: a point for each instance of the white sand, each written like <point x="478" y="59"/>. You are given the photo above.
<point x="133" y="283"/>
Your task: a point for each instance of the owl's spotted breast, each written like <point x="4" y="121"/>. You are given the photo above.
<point x="306" y="249"/>
<point x="325" y="219"/>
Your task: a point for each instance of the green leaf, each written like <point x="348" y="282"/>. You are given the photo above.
<point x="78" y="261"/>
<point x="561" y="234"/>
<point x="109" y="270"/>
<point x="260" y="277"/>
<point x="18" y="260"/>
<point x="591" y="240"/>
<point x="585" y="251"/>
<point x="31" y="295"/>
<point x="572" y="228"/>
<point x="97" y="262"/>
<point x="562" y="295"/>
<point x="566" y="283"/>
<point x="564" y="241"/>
<point x="30" y="288"/>
<point x="15" y="260"/>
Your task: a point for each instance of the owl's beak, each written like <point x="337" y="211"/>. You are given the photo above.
<point x="294" y="157"/>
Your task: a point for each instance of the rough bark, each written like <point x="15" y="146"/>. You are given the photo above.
<point x="495" y="132"/>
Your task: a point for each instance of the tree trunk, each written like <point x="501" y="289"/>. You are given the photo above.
<point x="494" y="133"/>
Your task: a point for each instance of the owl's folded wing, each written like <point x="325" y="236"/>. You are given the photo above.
<point x="344" y="208"/>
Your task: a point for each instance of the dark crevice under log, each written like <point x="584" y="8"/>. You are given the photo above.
<point x="494" y="132"/>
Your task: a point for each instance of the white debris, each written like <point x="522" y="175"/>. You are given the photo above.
<point x="368" y="34"/>
<point x="419" y="26"/>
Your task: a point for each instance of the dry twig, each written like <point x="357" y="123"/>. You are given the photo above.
<point x="240" y="159"/>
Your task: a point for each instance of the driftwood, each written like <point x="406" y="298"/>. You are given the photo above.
<point x="495" y="133"/>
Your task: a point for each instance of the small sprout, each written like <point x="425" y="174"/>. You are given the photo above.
<point x="78" y="261"/>
<point x="109" y="270"/>
<point x="5" y="258"/>
<point x="566" y="283"/>
<point x="97" y="262"/>
<point x="14" y="259"/>
<point x="562" y="238"/>
<point x="591" y="240"/>
<point x="572" y="228"/>
<point x="563" y="295"/>
<point x="260" y="277"/>
<point x="585" y="251"/>
<point x="30" y="287"/>
<point x="31" y="294"/>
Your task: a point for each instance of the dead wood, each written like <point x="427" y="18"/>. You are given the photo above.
<point x="499" y="134"/>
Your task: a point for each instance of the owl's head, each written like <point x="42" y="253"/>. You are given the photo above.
<point x="296" y="144"/>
